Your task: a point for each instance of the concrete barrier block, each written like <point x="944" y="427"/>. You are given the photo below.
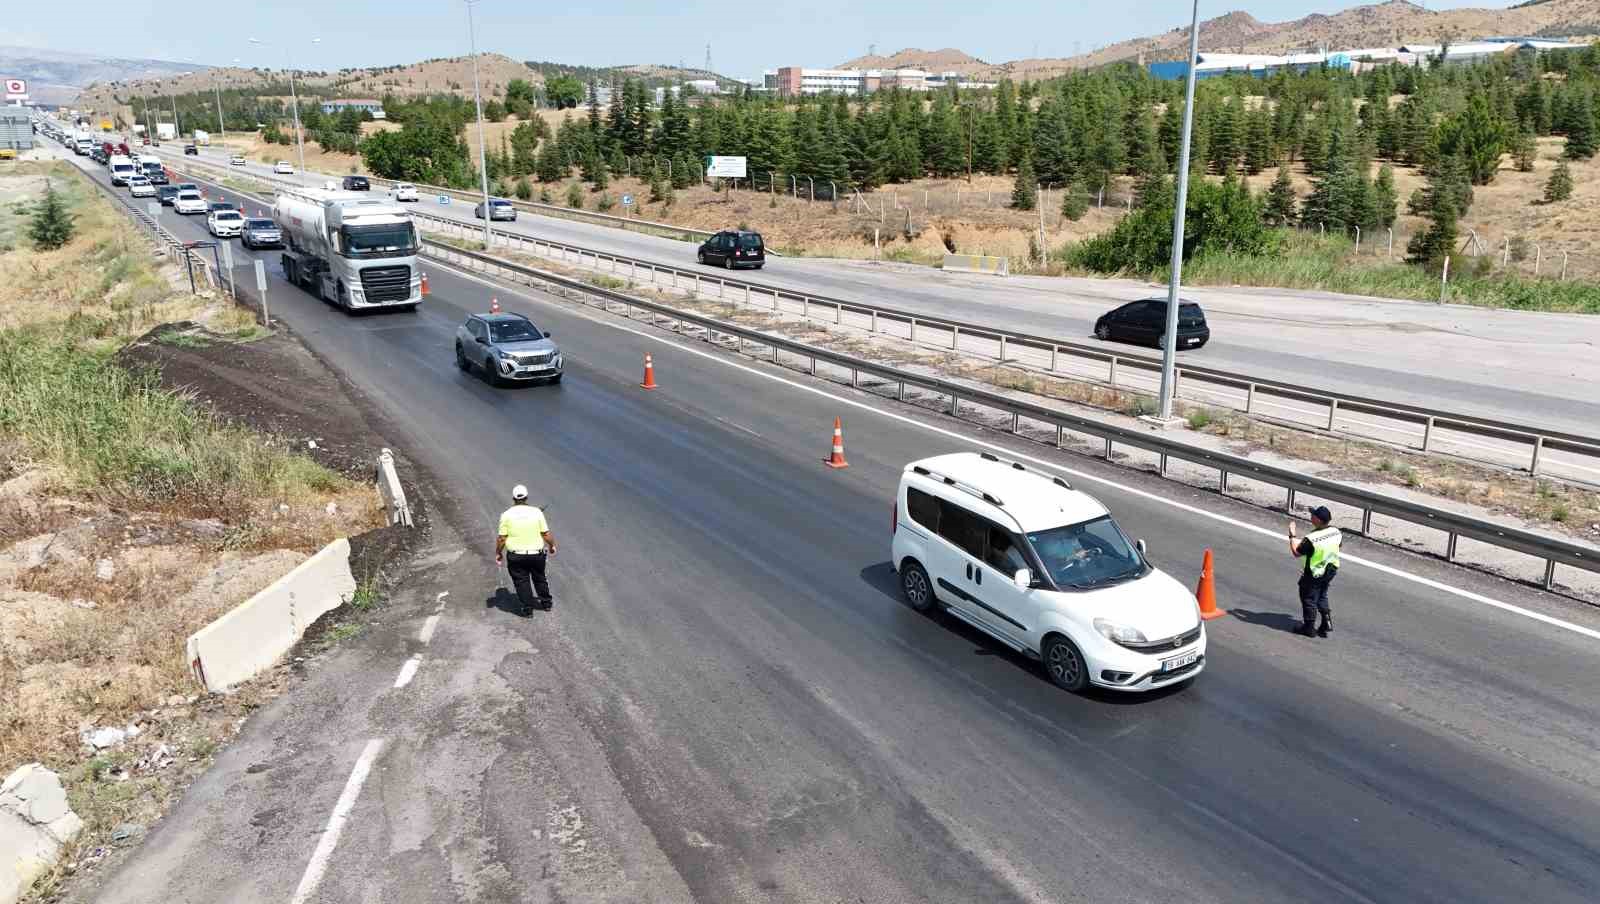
<point x="251" y="637"/>
<point x="977" y="263"/>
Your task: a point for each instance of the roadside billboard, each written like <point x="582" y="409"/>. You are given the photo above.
<point x="725" y="168"/>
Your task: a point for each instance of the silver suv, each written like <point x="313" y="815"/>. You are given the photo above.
<point x="508" y="348"/>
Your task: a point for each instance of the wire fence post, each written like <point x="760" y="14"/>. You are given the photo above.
<point x="1391" y="243"/>
<point x="1538" y="259"/>
<point x="1563" y="265"/>
<point x="1505" y="252"/>
<point x="1358" y="238"/>
<point x="1444" y="278"/>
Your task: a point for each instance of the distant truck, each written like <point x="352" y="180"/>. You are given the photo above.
<point x="348" y="248"/>
<point x="166" y="131"/>
<point x="202" y="138"/>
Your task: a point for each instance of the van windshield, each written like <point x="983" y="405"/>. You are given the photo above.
<point x="384" y="240"/>
<point x="1092" y="554"/>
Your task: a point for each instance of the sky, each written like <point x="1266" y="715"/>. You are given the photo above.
<point x="755" y="36"/>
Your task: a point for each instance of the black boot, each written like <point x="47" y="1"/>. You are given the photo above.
<point x="1327" y="625"/>
<point x="1306" y="629"/>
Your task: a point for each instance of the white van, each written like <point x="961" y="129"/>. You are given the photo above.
<point x="1045" y="570"/>
<point x="122" y="166"/>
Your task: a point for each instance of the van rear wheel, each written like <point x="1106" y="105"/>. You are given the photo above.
<point x="915" y="586"/>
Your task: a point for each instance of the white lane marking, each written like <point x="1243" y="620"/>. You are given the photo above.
<point x="335" y="826"/>
<point x="427" y="628"/>
<point x="1143" y="494"/>
<point x="408" y="671"/>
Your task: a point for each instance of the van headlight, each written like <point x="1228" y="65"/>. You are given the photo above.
<point x="1118" y="633"/>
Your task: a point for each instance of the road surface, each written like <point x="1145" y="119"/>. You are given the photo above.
<point x="729" y="702"/>
<point x="1510" y="365"/>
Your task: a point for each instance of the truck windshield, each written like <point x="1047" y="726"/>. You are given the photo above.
<point x="384" y="240"/>
<point x="1092" y="554"/>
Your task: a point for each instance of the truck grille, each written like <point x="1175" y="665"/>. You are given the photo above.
<point x="386" y="283"/>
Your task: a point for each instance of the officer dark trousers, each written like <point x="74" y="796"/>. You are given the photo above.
<point x="1314" y="600"/>
<point x="524" y="567"/>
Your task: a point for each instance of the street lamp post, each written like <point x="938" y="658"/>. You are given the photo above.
<point x="222" y="127"/>
<point x="1169" y="341"/>
<point x="177" y="127"/>
<point x="294" y="100"/>
<point x="477" y="97"/>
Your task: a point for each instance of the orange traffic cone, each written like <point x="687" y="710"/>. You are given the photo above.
<point x="649" y="373"/>
<point x="1206" y="593"/>
<point x="836" y="460"/>
<point x="494" y="305"/>
<point x="424" y="285"/>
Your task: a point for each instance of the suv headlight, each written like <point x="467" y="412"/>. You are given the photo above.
<point x="1118" y="633"/>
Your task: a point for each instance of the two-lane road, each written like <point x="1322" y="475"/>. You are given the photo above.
<point x="1510" y="365"/>
<point x="781" y="727"/>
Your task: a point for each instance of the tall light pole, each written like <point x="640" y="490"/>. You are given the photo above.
<point x="477" y="96"/>
<point x="222" y="127"/>
<point x="1169" y="341"/>
<point x="177" y="128"/>
<point x="294" y="100"/>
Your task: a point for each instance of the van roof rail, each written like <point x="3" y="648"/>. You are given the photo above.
<point x="1019" y="466"/>
<point x="970" y="489"/>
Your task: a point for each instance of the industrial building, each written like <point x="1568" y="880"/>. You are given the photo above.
<point x="793" y="81"/>
<point x="1210" y="65"/>
<point x="367" y="105"/>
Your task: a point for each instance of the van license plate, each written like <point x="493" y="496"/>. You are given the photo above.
<point x="1178" y="662"/>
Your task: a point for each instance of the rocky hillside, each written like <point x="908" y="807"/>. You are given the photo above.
<point x="1377" y="25"/>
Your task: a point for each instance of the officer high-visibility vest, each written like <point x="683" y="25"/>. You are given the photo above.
<point x="523" y="526"/>
<point x="1324" y="551"/>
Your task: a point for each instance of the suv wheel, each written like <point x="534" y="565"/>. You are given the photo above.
<point x="1102" y="331"/>
<point x="1064" y="664"/>
<point x="461" y="358"/>
<point x="915" y="586"/>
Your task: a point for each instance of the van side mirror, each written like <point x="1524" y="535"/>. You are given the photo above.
<point x="1139" y="545"/>
<point x="1023" y="578"/>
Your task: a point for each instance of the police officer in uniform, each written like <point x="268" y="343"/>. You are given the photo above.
<point x="523" y="543"/>
<point x="1318" y="552"/>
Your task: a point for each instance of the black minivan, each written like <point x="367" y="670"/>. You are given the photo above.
<point x="1145" y="322"/>
<point x="734" y="248"/>
<point x="356" y="183"/>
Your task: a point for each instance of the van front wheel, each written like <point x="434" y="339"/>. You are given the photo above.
<point x="1064" y="664"/>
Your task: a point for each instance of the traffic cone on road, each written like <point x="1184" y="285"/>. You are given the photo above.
<point x="649" y="373"/>
<point x="494" y="305"/>
<point x="1206" y="593"/>
<point x="836" y="459"/>
<point x="424" y="285"/>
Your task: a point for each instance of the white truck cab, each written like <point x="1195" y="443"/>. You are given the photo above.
<point x="1044" y="569"/>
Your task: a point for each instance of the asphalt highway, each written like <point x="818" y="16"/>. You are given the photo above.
<point x="764" y="720"/>
<point x="1511" y="365"/>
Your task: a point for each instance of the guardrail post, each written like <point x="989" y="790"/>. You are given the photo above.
<point x="722" y="288"/>
<point x="1450" y="548"/>
<point x="1222" y="481"/>
<point x="697" y="284"/>
<point x="1333" y="412"/>
<point x="955" y="336"/>
<point x="805" y="307"/>
<point x="1538" y="449"/>
<point x="1002" y="348"/>
<point x="1108" y="448"/>
<point x="1016" y="422"/>
<point x="1290" y="504"/>
<point x="633" y="269"/>
<point x="1060" y="435"/>
<point x="955" y="405"/>
<point x="900" y="392"/>
<point x="838" y="313"/>
<point x="855" y="378"/>
<point x="1549" y="574"/>
<point x="1427" y="433"/>
<point x="1162" y="467"/>
<point x="747" y="293"/>
<point x="913" y="329"/>
<point x="1111" y="376"/>
<point x="1366" y="522"/>
<point x="813" y="365"/>
<point x="1054" y="351"/>
<point x="874" y="320"/>
<point x="1250" y="398"/>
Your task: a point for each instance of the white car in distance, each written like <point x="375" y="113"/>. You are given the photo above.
<point x="236" y="160"/>
<point x="189" y="202"/>
<point x="140" y="187"/>
<point x="283" y="168"/>
<point x="405" y="191"/>
<point x="225" y="224"/>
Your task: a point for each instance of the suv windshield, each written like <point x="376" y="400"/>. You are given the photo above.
<point x="1092" y="554"/>
<point x="514" y="331"/>
<point x="260" y="224"/>
<point x="388" y="239"/>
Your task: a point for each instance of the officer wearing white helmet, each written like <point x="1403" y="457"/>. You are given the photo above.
<point x="523" y="543"/>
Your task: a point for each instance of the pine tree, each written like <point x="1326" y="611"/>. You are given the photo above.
<point x="1226" y="139"/>
<point x="52" y="225"/>
<point x="1025" y="191"/>
<point x="986" y="144"/>
<point x="1281" y="202"/>
<point x="524" y="189"/>
<point x="1074" y="201"/>
<point x="1525" y="149"/>
<point x="1559" y="186"/>
<point x="658" y="185"/>
<point x="1580" y="132"/>
<point x="1431" y="246"/>
<point x="575" y="196"/>
<point x="1384" y="197"/>
<point x="1258" y="152"/>
<point x="596" y="173"/>
<point x="549" y="164"/>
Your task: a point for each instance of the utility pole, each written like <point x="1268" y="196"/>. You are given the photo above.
<point x="1169" y="342"/>
<point x="477" y="96"/>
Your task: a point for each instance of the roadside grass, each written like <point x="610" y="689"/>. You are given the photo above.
<point x="1332" y="264"/>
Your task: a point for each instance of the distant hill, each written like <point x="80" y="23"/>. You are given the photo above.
<point x="56" y="77"/>
<point x="1377" y="25"/>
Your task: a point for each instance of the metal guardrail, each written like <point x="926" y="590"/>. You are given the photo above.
<point x="171" y="245"/>
<point x="1432" y="421"/>
<point x="1551" y="550"/>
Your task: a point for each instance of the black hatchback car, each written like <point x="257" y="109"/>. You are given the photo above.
<point x="734" y="248"/>
<point x="356" y="183"/>
<point x="1145" y="322"/>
